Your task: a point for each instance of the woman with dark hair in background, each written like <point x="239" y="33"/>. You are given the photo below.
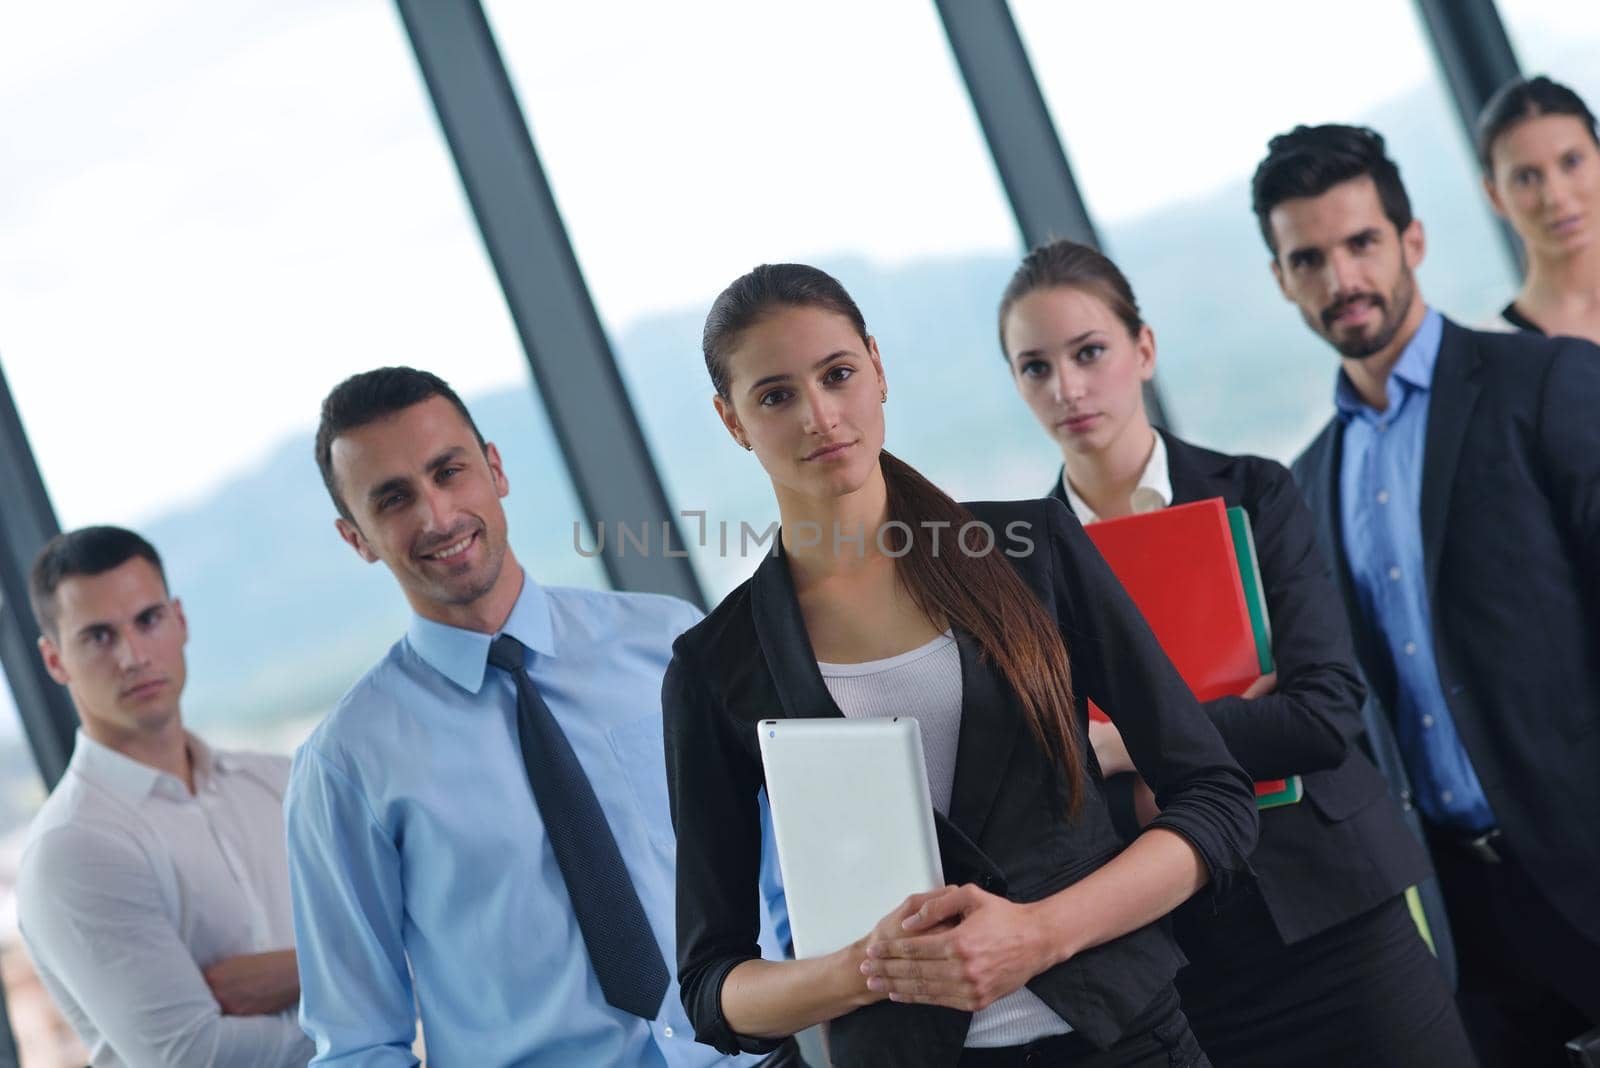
<point x="1316" y="961"/>
<point x="1540" y="154"/>
<point x="1044" y="949"/>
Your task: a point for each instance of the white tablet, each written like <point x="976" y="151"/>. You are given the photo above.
<point x="853" y="820"/>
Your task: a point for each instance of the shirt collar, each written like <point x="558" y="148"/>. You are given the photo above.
<point x="462" y="656"/>
<point x="134" y="781"/>
<point x="1153" y="492"/>
<point x="1413" y="371"/>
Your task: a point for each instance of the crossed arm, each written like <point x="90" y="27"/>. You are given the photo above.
<point x="91" y="911"/>
<point x="255" y="984"/>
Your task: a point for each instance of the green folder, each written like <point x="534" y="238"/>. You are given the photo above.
<point x="1244" y="547"/>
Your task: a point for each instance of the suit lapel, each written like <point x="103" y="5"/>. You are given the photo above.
<point x="781" y="630"/>
<point x="989" y="728"/>
<point x="1451" y="399"/>
<point x="1189" y="484"/>
<point x="1326" y="459"/>
<point x="1324" y="490"/>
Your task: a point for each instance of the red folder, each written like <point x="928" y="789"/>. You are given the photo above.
<point x="1179" y="566"/>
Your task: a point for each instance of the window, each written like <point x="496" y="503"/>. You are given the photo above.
<point x="1164" y="136"/>
<point x="1558" y="38"/>
<point x="831" y="133"/>
<point x="214" y="213"/>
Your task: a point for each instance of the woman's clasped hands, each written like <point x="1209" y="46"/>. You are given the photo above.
<point x="959" y="946"/>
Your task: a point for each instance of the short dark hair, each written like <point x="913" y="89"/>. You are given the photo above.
<point x="1310" y="160"/>
<point x="370" y="396"/>
<point x="87" y="551"/>
<point x="1521" y="99"/>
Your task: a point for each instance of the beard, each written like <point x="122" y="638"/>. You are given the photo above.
<point x="1392" y="309"/>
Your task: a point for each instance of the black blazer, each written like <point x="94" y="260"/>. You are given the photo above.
<point x="751" y="659"/>
<point x="1510" y="520"/>
<point x="1513" y="315"/>
<point x="1345" y="848"/>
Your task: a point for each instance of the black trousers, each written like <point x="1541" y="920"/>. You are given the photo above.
<point x="1365" y="992"/>
<point x="1529" y="980"/>
<point x="1162" y="1040"/>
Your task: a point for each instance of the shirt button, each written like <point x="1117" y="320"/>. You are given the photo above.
<point x="1411" y="648"/>
<point x="1427" y="721"/>
<point x="667" y="1030"/>
<point x="1447" y="797"/>
<point x="1394" y="573"/>
<point x="1383" y="496"/>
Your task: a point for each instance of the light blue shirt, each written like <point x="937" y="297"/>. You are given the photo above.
<point x="413" y="836"/>
<point x="1380" y="503"/>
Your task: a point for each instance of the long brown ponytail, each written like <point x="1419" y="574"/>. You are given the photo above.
<point x="977" y="589"/>
<point x="970" y="584"/>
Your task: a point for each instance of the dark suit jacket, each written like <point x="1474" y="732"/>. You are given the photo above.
<point x="1345" y="848"/>
<point x="751" y="659"/>
<point x="1510" y="520"/>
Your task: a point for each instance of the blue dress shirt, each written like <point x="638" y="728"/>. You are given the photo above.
<point x="413" y="836"/>
<point x="1380" y="504"/>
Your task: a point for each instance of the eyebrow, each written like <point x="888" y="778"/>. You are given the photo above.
<point x="399" y="482"/>
<point x="454" y="452"/>
<point x="1028" y="354"/>
<point x="819" y="365"/>
<point x="1367" y="231"/>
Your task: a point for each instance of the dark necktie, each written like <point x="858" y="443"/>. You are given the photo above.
<point x="616" y="932"/>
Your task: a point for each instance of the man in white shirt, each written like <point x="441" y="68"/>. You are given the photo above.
<point x="154" y="888"/>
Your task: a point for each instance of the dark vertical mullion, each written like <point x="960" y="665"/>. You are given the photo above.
<point x="27" y="521"/>
<point x="1021" y="135"/>
<point x="1474" y="53"/>
<point x="567" y="349"/>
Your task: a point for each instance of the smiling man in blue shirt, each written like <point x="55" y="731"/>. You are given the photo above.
<point x="1457" y="492"/>
<point x="425" y="875"/>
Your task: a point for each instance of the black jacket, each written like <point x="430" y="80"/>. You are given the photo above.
<point x="1345" y="848"/>
<point x="1510" y="521"/>
<point x="751" y="659"/>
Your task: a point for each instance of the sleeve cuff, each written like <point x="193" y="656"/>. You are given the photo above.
<point x="1224" y="881"/>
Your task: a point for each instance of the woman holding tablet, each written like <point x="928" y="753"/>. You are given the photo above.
<point x="1316" y="961"/>
<point x="991" y="624"/>
<point x="1541" y="168"/>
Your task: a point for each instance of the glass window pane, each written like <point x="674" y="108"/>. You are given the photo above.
<point x="43" y="1038"/>
<point x="833" y="133"/>
<point x="1558" y="38"/>
<point x="1164" y="135"/>
<point x="213" y="214"/>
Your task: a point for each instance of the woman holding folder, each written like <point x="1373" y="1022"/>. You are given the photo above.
<point x="992" y="624"/>
<point x="1318" y="961"/>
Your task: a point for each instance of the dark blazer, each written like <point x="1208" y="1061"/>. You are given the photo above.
<point x="1510" y="520"/>
<point x="1345" y="848"/>
<point x="1513" y="315"/>
<point x="751" y="659"/>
